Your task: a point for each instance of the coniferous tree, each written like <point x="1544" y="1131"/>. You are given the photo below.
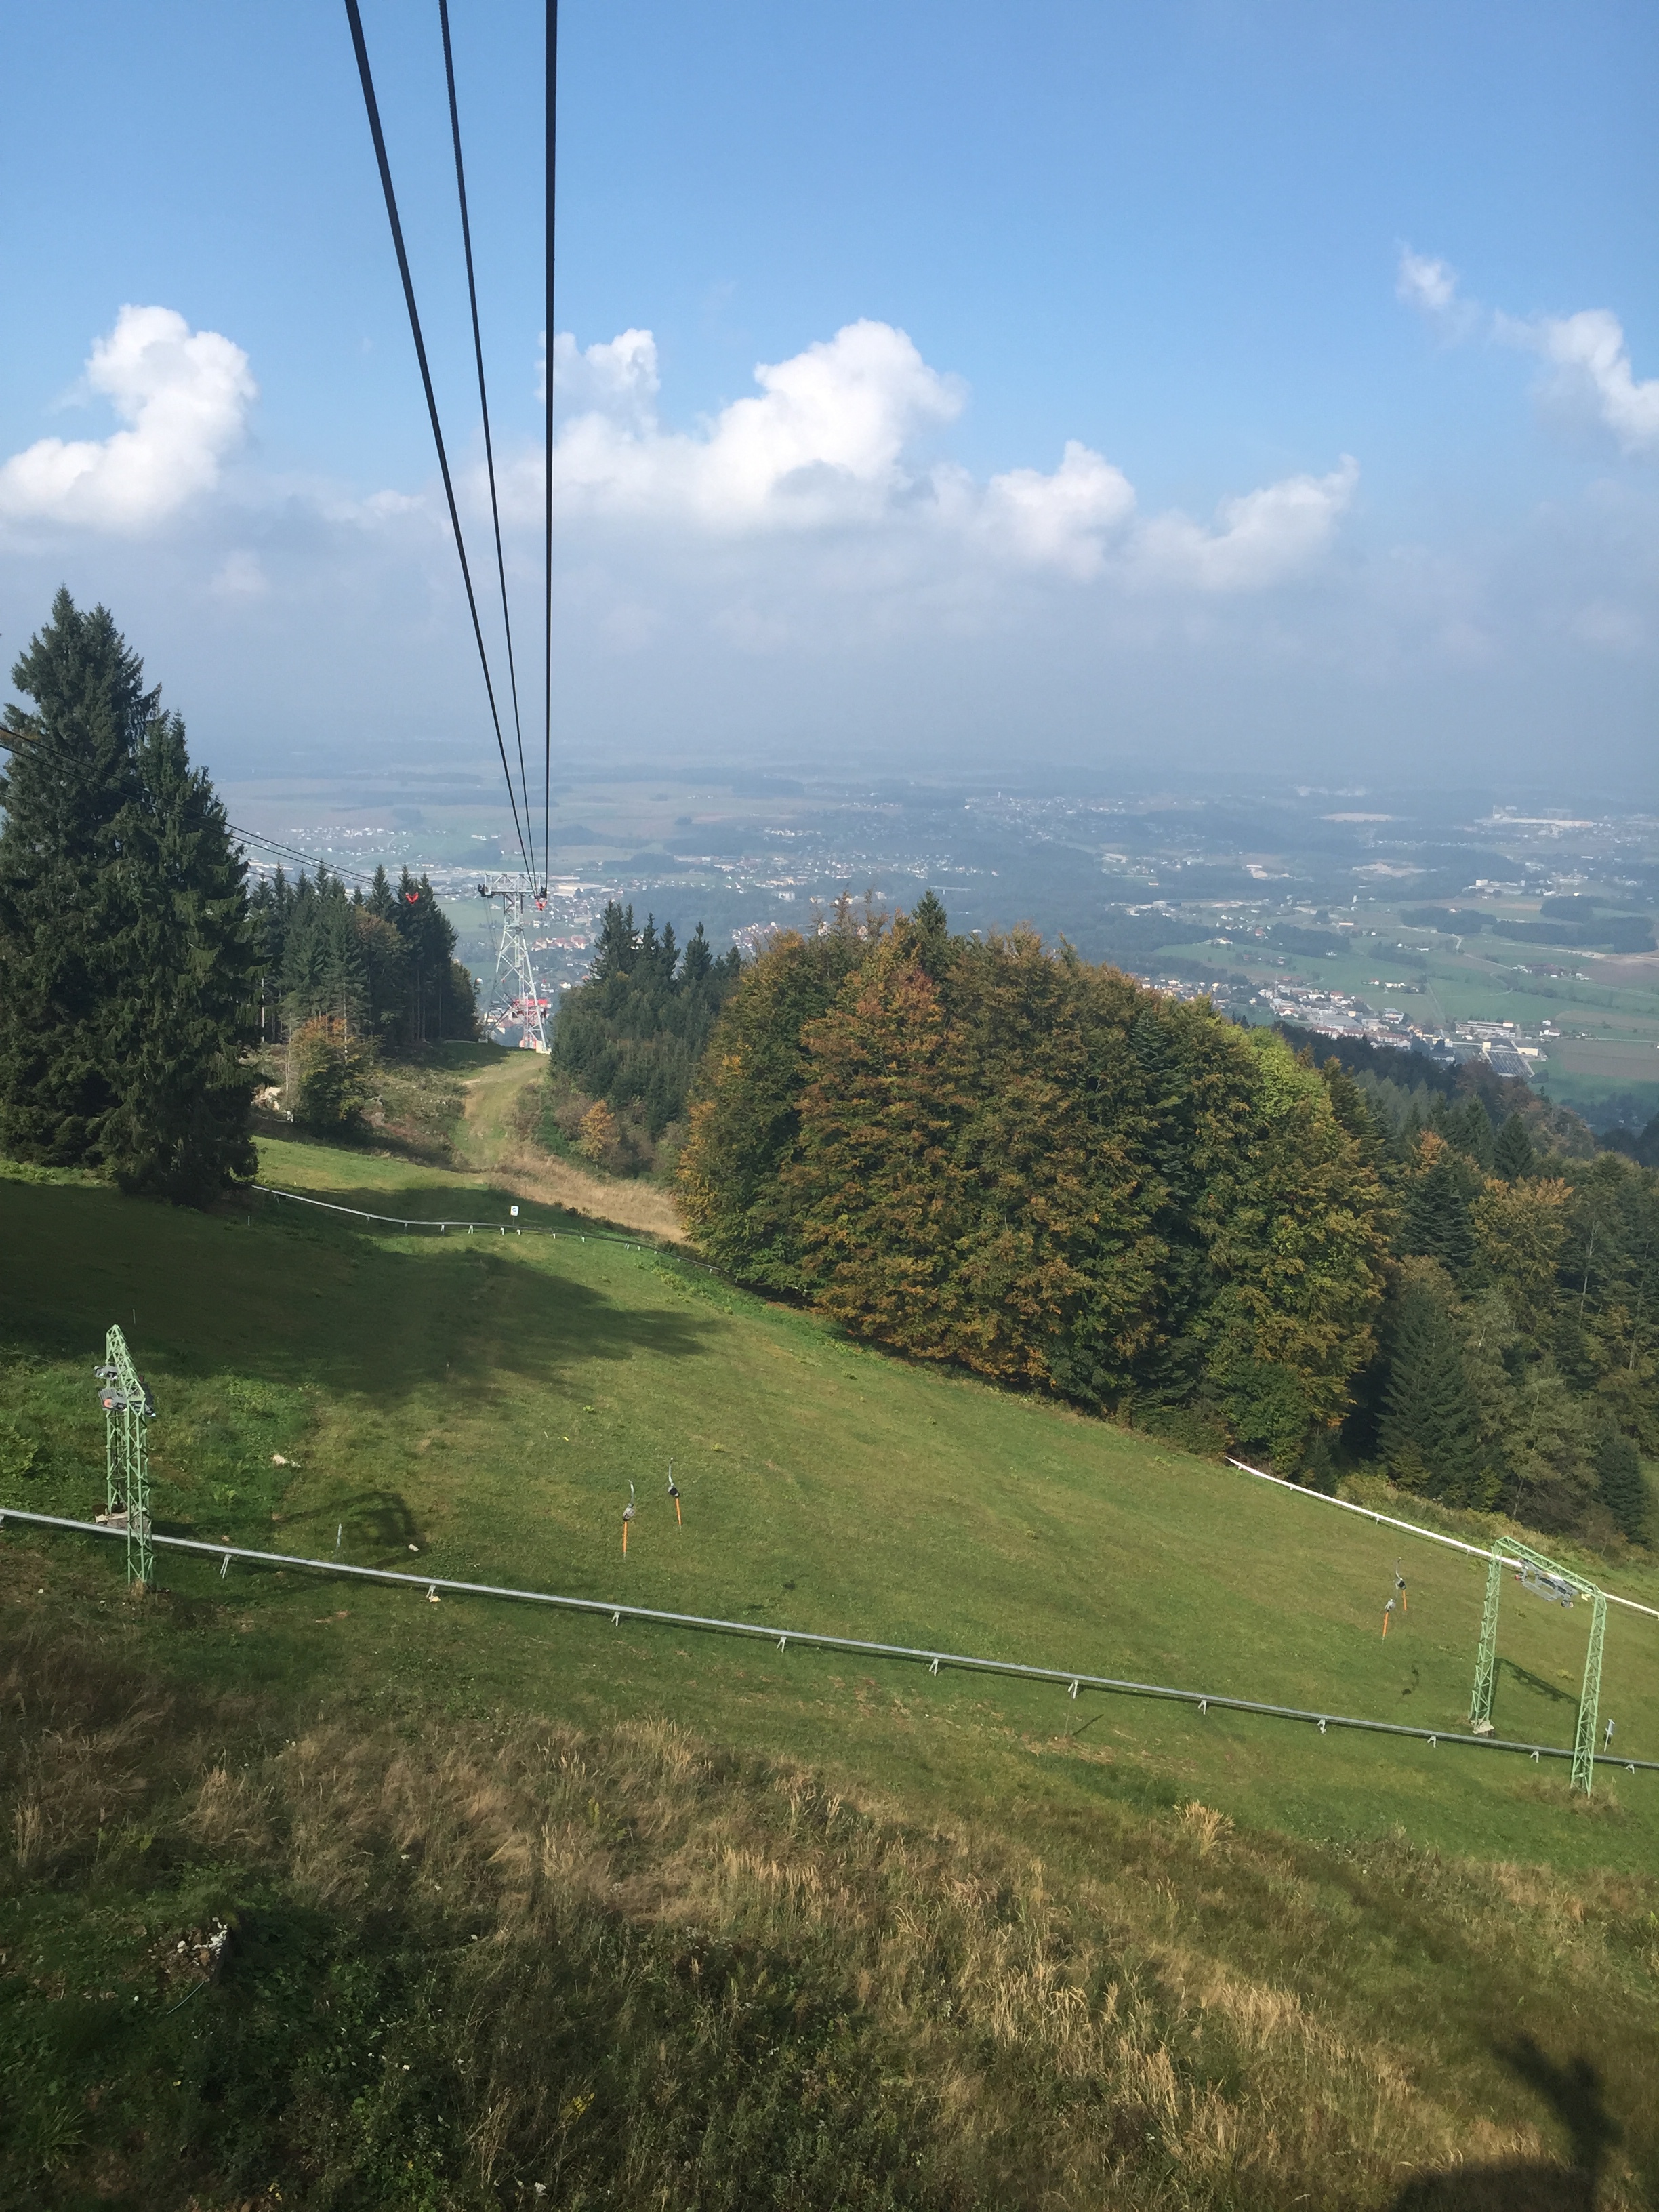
<point x="745" y="1115"/>
<point x="190" y="957"/>
<point x="1430" y="1424"/>
<point x="1618" y="1477"/>
<point x="441" y="1002"/>
<point x="1512" y="1155"/>
<point x="1466" y="1128"/>
<point x="1291" y="1218"/>
<point x="632" y="1033"/>
<point x="64" y="906"/>
<point x="271" y="905"/>
<point x="128" y="965"/>
<point x="323" y="971"/>
<point x="1438" y="1223"/>
<point x="889" y="1201"/>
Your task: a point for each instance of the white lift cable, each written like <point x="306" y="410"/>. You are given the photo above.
<point x="1416" y="1528"/>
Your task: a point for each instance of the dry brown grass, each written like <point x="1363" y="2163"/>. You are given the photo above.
<point x="490" y="1137"/>
<point x="538" y="1176"/>
<point x="635" y="1907"/>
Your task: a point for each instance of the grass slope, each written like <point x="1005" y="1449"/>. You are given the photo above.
<point x="487" y="1400"/>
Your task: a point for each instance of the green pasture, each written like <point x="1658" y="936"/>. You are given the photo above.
<point x="1581" y="1091"/>
<point x="1486" y="981"/>
<point x="487" y="1398"/>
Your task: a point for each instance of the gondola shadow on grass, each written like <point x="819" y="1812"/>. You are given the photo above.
<point x="1574" y="2090"/>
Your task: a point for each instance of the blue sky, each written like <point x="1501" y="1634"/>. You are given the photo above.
<point x="1143" y="438"/>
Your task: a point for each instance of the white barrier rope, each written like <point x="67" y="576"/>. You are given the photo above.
<point x="1414" y="1529"/>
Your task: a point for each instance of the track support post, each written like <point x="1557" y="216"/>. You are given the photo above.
<point x="1486" y="1658"/>
<point x="1583" y="1742"/>
<point x="128" y="1411"/>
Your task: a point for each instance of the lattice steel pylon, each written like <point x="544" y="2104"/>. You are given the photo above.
<point x="515" y="999"/>
<point x="1561" y="1586"/>
<point x="128" y="1411"/>
<point x="1583" y="1742"/>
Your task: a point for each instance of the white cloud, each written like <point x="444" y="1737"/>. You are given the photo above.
<point x="184" y="398"/>
<point x="1059" y="521"/>
<point x="1261" y="540"/>
<point x="824" y="442"/>
<point x="835" y="445"/>
<point x="618" y="379"/>
<point x="1586" y="353"/>
<point x="1591" y="368"/>
<point x="1428" y="285"/>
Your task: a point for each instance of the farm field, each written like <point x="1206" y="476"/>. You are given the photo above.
<point x="1607" y="1008"/>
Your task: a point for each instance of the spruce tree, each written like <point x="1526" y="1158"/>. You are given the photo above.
<point x="191" y="963"/>
<point x="1513" y="1156"/>
<point x="745" y="1118"/>
<point x="128" y="963"/>
<point x="1618" y="1475"/>
<point x="440" y="998"/>
<point x="63" y="896"/>
<point x="1438" y="1223"/>
<point x="697" y="960"/>
<point x="1430" y="1422"/>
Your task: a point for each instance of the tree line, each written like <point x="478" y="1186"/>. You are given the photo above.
<point x="629" y="1039"/>
<point x="345" y="976"/>
<point x="995" y="1153"/>
<point x="381" y="962"/>
<point x="138" y="977"/>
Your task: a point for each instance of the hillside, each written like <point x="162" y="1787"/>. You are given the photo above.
<point x="1379" y="1917"/>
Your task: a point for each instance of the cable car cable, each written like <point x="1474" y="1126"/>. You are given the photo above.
<point x="551" y="183"/>
<point x="373" y="109"/>
<point x="292" y="853"/>
<point x="484" y="397"/>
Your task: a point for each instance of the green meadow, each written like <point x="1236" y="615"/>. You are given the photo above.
<point x="490" y="1398"/>
<point x="476" y="1404"/>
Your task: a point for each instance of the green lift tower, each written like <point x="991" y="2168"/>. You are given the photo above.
<point x="1559" y="1586"/>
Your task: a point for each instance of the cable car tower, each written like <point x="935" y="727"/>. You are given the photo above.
<point x="515" y="1001"/>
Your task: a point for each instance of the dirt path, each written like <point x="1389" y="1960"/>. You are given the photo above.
<point x="487" y="1140"/>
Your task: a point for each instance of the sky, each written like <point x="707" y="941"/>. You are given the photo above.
<point x="1215" y="387"/>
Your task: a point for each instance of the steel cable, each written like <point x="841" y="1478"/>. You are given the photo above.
<point x="292" y="853"/>
<point x="483" y="395"/>
<point x="374" y="110"/>
<point x="551" y="186"/>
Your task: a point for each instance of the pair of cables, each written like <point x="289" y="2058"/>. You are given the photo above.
<point x="291" y="853"/>
<point x="523" y="820"/>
